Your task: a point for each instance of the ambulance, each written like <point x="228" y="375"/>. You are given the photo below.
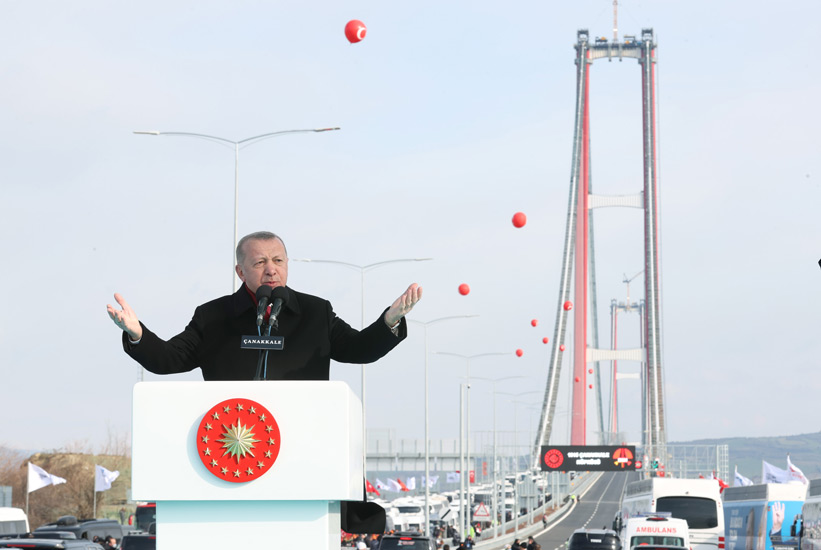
<point x="655" y="531"/>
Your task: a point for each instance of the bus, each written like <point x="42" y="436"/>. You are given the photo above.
<point x="760" y="517"/>
<point x="698" y="501"/>
<point x="13" y="521"/>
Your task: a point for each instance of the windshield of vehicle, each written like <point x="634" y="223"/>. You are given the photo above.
<point x="662" y="541"/>
<point x="145" y="516"/>
<point x="594" y="541"/>
<point x="405" y="543"/>
<point x="700" y="513"/>
<point x="409" y="509"/>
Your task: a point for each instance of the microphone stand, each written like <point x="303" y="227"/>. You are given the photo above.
<point x="262" y="361"/>
<point x="262" y="356"/>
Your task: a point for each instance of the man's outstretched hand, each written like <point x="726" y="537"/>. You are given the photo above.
<point x="401" y="306"/>
<point x="125" y="318"/>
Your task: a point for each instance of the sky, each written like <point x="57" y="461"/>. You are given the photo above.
<point x="454" y="116"/>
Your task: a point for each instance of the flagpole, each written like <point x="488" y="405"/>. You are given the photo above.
<point x="94" y="505"/>
<point x="28" y="476"/>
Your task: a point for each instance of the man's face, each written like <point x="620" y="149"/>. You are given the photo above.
<point x="265" y="263"/>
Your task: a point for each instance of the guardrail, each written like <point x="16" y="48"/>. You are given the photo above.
<point x="532" y="522"/>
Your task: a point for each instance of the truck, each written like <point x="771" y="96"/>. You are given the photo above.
<point x="697" y="501"/>
<point x="759" y="517"/>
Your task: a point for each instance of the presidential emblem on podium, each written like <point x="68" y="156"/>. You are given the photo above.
<point x="238" y="440"/>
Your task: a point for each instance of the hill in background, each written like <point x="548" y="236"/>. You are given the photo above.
<point x="748" y="452"/>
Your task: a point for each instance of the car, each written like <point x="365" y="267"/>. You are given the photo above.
<point x="140" y="541"/>
<point x="65" y="535"/>
<point x="50" y="544"/>
<point x="84" y="528"/>
<point x="594" y="539"/>
<point x="407" y="541"/>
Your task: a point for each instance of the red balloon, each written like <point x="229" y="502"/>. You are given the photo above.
<point x="561" y="348"/>
<point x="464" y="289"/>
<point x="589" y="371"/>
<point x="578" y="379"/>
<point x="545" y="339"/>
<point x="355" y="31"/>
<point x="590" y="386"/>
<point x="568" y="305"/>
<point x="519" y="353"/>
<point x="534" y="322"/>
<point x="519" y="219"/>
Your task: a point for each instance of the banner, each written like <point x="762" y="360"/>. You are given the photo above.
<point x="588" y="458"/>
<point x="772" y="474"/>
<point x="795" y="472"/>
<point x="432" y="481"/>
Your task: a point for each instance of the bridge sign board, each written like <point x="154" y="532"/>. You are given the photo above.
<point x="588" y="458"/>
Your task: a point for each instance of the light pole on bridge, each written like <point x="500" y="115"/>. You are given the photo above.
<point x="362" y="269"/>
<point x="237" y="145"/>
<point x="427" y="412"/>
<point x="495" y="488"/>
<point x="468" y="359"/>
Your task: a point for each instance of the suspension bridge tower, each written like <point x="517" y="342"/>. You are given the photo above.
<point x="578" y="267"/>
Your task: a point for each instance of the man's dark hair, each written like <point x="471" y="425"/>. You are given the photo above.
<point x="256" y="236"/>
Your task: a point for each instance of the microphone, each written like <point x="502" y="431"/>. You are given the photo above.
<point x="279" y="297"/>
<point x="263" y="297"/>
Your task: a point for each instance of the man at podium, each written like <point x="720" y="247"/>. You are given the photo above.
<point x="312" y="333"/>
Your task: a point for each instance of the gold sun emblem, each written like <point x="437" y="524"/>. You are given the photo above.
<point x="238" y="441"/>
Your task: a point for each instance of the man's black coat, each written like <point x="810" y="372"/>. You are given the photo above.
<point x="313" y="336"/>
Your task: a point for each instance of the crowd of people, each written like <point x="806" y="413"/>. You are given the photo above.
<point x="108" y="543"/>
<point x="440" y="534"/>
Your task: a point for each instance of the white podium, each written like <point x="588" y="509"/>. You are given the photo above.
<point x="247" y="464"/>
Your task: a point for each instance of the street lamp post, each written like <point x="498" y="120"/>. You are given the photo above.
<point x="237" y="146"/>
<point x="495" y="505"/>
<point x="463" y="506"/>
<point x="516" y="457"/>
<point x="362" y="269"/>
<point x="467" y="359"/>
<point x="427" y="414"/>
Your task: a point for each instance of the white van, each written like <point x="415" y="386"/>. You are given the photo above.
<point x="13" y="521"/>
<point x="655" y="531"/>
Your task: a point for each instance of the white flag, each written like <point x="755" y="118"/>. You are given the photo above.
<point x="39" y="478"/>
<point x="771" y="474"/>
<point x="795" y="472"/>
<point x="393" y="485"/>
<point x="380" y="485"/>
<point x="453" y="477"/>
<point x="432" y="481"/>
<point x="740" y="480"/>
<point x="103" y="478"/>
<point x="410" y="483"/>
